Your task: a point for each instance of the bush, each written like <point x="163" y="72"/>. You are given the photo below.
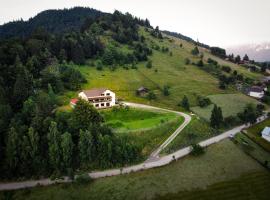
<point x="197" y="150"/>
<point x="83" y="179"/>
<point x="149" y="64"/>
<point x="151" y="95"/>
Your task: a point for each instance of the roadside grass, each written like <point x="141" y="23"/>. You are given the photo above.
<point x="231" y="104"/>
<point x="254" y="133"/>
<point x="194" y="133"/>
<point x="223" y="171"/>
<point x="253" y="149"/>
<point x="144" y="127"/>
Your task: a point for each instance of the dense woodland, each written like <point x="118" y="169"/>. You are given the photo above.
<point x="33" y="72"/>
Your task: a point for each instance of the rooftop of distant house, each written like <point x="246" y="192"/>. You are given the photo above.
<point x="257" y="89"/>
<point x="94" y="92"/>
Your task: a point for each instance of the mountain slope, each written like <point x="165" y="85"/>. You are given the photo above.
<point x="53" y="21"/>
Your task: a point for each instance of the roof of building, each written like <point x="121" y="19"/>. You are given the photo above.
<point x="94" y="92"/>
<point x="266" y="131"/>
<point x="142" y="89"/>
<point x="256" y="89"/>
<point x="73" y="101"/>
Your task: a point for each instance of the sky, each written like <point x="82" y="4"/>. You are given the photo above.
<point x="214" y="22"/>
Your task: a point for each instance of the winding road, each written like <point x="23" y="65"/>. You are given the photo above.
<point x="153" y="161"/>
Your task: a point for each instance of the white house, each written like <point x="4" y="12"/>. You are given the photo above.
<point x="100" y="98"/>
<point x="266" y="133"/>
<point x="256" y="91"/>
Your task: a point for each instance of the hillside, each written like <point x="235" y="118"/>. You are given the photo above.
<point x="40" y="73"/>
<point x="53" y="21"/>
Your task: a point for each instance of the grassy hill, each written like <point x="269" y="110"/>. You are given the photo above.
<point x="168" y="68"/>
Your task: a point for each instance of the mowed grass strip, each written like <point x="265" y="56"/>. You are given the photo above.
<point x="231" y="104"/>
<point x="254" y="133"/>
<point x="131" y="119"/>
<point x="147" y="128"/>
<point x="224" y="171"/>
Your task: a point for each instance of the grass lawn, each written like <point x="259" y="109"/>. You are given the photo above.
<point x="253" y="149"/>
<point x="224" y="171"/>
<point x="254" y="133"/>
<point x="195" y="132"/>
<point x="231" y="104"/>
<point x="146" y="128"/>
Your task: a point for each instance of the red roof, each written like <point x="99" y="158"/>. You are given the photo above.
<point x="73" y="101"/>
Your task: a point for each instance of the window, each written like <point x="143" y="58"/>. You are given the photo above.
<point x="102" y="104"/>
<point x="97" y="105"/>
<point x="108" y="94"/>
<point x="107" y="104"/>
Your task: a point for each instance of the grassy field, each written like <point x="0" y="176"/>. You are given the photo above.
<point x="254" y="133"/>
<point x="224" y="171"/>
<point x="253" y="149"/>
<point x="146" y="128"/>
<point x="131" y="119"/>
<point x="195" y="132"/>
<point x="231" y="104"/>
<point x="167" y="70"/>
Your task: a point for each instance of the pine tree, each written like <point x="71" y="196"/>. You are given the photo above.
<point x="216" y="119"/>
<point x="85" y="147"/>
<point x="13" y="150"/>
<point x="195" y="51"/>
<point x="185" y="103"/>
<point x="67" y="149"/>
<point x="54" y="141"/>
<point x="23" y="86"/>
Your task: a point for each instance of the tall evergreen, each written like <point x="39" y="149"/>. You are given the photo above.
<point x="216" y="119"/>
<point x="85" y="147"/>
<point x="67" y="150"/>
<point x="54" y="142"/>
<point x="185" y="103"/>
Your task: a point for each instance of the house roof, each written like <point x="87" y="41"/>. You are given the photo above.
<point x="256" y="89"/>
<point x="142" y="89"/>
<point x="266" y="131"/>
<point x="94" y="92"/>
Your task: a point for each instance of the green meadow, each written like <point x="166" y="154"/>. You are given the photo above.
<point x="223" y="172"/>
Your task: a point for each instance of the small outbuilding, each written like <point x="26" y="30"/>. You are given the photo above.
<point x="266" y="133"/>
<point x="142" y="91"/>
<point x="257" y="91"/>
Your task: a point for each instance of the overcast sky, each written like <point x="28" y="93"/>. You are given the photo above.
<point x="214" y="22"/>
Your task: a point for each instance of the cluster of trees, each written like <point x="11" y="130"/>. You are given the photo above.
<point x="156" y="33"/>
<point x="219" y="52"/>
<point x="203" y="101"/>
<point x="70" y="140"/>
<point x="249" y="115"/>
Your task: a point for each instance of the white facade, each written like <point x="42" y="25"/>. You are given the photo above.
<point x="266" y="134"/>
<point x="100" y="98"/>
<point x="258" y="95"/>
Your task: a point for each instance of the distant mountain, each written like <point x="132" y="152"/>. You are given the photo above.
<point x="53" y="21"/>
<point x="257" y="52"/>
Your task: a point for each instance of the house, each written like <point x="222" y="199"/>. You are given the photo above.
<point x="266" y="133"/>
<point x="100" y="98"/>
<point x="257" y="91"/>
<point x="142" y="91"/>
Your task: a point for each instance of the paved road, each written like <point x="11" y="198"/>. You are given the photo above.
<point x="156" y="162"/>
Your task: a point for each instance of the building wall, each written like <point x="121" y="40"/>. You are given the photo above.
<point x="83" y="96"/>
<point x="266" y="137"/>
<point x="256" y="94"/>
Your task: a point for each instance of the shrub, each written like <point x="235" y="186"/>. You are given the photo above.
<point x="149" y="64"/>
<point x="197" y="150"/>
<point x="151" y="95"/>
<point x="83" y="179"/>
